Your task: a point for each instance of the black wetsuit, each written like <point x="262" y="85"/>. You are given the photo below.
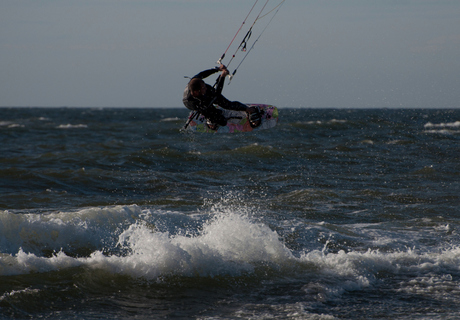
<point x="204" y="104"/>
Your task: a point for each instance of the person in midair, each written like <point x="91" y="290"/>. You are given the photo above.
<point x="201" y="97"/>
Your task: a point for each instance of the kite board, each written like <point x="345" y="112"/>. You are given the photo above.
<point x="237" y="121"/>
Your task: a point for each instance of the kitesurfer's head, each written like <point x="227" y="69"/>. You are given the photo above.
<point x="197" y="87"/>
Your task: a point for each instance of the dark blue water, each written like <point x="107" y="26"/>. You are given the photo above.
<point x="332" y="214"/>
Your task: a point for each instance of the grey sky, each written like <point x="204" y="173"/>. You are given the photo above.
<point x="323" y="53"/>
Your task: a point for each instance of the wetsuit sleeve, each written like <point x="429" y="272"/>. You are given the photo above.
<point x="220" y="84"/>
<point x="205" y="73"/>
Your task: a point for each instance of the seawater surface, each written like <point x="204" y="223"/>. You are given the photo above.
<point x="333" y="214"/>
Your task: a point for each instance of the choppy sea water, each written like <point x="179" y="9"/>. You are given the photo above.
<point x="332" y="214"/>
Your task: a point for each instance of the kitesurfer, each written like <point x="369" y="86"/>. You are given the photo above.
<point x="201" y="97"/>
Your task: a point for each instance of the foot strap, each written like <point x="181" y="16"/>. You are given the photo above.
<point x="254" y="116"/>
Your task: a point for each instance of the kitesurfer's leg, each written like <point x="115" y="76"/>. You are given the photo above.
<point x="214" y="117"/>
<point x="230" y="105"/>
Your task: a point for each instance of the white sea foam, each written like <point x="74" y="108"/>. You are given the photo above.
<point x="171" y="119"/>
<point x="9" y="124"/>
<point x="357" y="270"/>
<point x="29" y="291"/>
<point x="442" y="131"/>
<point x="455" y="124"/>
<point x="229" y="243"/>
<point x="72" y="126"/>
<point x="89" y="228"/>
<point x="322" y="122"/>
<point x="446" y="128"/>
<point x="225" y="241"/>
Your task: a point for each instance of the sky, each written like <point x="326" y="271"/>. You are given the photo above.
<point x="313" y="54"/>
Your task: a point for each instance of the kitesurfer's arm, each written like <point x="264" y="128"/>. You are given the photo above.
<point x="206" y="73"/>
<point x="220" y="81"/>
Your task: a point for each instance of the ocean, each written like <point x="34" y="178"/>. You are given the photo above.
<point x="114" y="213"/>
